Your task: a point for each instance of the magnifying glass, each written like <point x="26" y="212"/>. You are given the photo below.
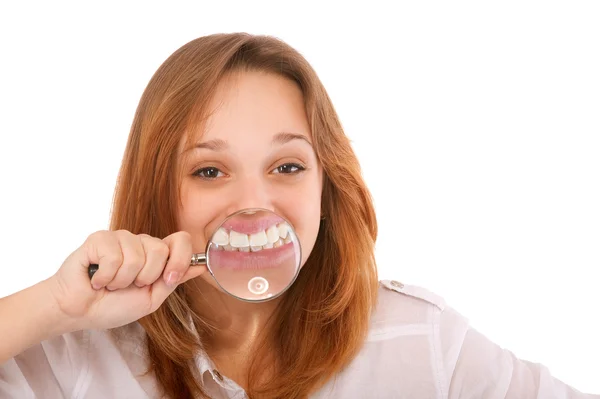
<point x="254" y="255"/>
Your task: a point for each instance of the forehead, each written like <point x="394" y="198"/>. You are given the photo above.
<point x="257" y="106"/>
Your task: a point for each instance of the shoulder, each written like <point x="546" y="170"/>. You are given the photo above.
<point x="74" y="350"/>
<point x="410" y="319"/>
<point x="411" y="348"/>
<point x="405" y="310"/>
<point x="52" y="368"/>
<point x="412" y="293"/>
<point x="402" y="303"/>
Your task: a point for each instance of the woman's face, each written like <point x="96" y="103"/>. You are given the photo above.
<point x="255" y="152"/>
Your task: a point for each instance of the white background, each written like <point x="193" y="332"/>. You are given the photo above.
<point x="477" y="125"/>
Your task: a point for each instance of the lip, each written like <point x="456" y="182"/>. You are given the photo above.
<point x="264" y="259"/>
<point x="250" y="224"/>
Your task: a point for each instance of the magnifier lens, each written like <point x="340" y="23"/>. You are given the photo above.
<point x="254" y="255"/>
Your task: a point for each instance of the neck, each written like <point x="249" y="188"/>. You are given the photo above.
<point x="237" y="324"/>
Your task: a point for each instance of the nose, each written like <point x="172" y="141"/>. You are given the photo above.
<point x="250" y="192"/>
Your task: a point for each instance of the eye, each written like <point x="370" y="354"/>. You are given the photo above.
<point x="289" y="168"/>
<point x="208" y="173"/>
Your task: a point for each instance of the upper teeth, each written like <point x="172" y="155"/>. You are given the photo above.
<point x="275" y="236"/>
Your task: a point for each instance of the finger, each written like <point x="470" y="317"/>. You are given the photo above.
<point x="103" y="249"/>
<point x="180" y="255"/>
<point x="157" y="252"/>
<point x="193" y="272"/>
<point x="160" y="290"/>
<point x="134" y="259"/>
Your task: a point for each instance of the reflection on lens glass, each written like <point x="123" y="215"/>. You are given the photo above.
<point x="254" y="255"/>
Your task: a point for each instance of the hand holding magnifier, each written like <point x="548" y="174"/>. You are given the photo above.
<point x="254" y="255"/>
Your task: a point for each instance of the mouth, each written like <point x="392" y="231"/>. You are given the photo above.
<point x="252" y="235"/>
<point x="253" y="243"/>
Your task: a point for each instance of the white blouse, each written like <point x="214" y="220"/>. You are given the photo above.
<point x="417" y="347"/>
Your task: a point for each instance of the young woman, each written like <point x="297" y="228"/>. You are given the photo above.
<point x="230" y="122"/>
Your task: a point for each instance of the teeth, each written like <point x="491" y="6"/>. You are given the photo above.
<point x="273" y="234"/>
<point x="221" y="237"/>
<point x="283" y="229"/>
<point x="258" y="239"/>
<point x="238" y="240"/>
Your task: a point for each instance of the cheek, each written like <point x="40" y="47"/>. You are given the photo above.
<point x="194" y="216"/>
<point x="304" y="211"/>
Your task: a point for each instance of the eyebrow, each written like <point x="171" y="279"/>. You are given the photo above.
<point x="279" y="139"/>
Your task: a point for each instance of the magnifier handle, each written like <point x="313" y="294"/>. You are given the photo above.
<point x="93" y="268"/>
<point x="197" y="260"/>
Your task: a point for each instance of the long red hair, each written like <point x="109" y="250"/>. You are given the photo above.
<point x="323" y="319"/>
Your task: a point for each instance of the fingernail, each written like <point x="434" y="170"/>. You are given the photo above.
<point x="173" y="278"/>
<point x="96" y="286"/>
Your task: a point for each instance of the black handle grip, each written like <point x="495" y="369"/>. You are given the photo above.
<point x="93" y="268"/>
